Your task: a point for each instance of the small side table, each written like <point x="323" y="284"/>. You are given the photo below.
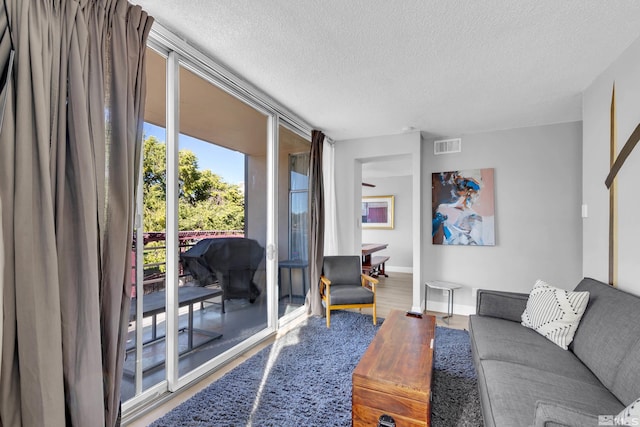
<point x="446" y="286"/>
<point x="291" y="264"/>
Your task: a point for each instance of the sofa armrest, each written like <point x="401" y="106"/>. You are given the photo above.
<point x="504" y="305"/>
<point x="549" y="414"/>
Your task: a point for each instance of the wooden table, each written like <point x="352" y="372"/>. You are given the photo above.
<point x="155" y="303"/>
<point x="394" y="375"/>
<point x="369" y="248"/>
<point x="374" y="265"/>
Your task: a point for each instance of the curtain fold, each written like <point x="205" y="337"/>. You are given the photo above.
<point x="69" y="154"/>
<point x="1" y="277"/>
<point x="5" y="49"/>
<point x="316" y="223"/>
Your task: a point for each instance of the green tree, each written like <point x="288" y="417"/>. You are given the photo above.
<point x="205" y="202"/>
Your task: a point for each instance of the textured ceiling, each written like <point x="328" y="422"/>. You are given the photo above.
<point x="358" y="68"/>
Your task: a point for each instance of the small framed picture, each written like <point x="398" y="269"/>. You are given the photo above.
<point x="377" y="212"/>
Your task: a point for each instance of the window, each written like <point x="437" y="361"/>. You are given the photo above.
<point x="299" y="206"/>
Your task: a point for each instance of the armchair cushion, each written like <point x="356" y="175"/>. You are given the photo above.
<point x="342" y="270"/>
<point x="348" y="294"/>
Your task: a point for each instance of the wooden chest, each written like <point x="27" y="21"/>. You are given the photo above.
<point x="394" y="375"/>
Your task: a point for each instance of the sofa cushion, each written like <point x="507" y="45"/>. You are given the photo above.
<point x="504" y="305"/>
<point x="607" y="334"/>
<point x="515" y="388"/>
<point x="508" y="341"/>
<point x="626" y="385"/>
<point x="554" y="313"/>
<point x="550" y="414"/>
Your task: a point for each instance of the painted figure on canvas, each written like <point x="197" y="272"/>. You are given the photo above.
<point x="463" y="208"/>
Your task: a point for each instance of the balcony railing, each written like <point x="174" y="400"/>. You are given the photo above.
<point x="154" y="276"/>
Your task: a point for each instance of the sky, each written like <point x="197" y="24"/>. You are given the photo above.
<point x="226" y="163"/>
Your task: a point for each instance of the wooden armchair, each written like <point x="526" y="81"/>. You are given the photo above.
<point x="342" y="285"/>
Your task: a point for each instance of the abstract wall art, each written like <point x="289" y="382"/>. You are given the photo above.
<point x="463" y="207"/>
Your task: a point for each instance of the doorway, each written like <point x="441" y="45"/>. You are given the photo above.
<point x="387" y="186"/>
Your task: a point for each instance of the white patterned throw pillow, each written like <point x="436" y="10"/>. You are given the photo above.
<point x="630" y="416"/>
<point x="554" y="313"/>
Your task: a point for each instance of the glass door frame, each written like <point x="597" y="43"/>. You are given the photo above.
<point x="180" y="54"/>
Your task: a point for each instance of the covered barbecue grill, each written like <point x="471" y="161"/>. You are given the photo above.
<point x="231" y="261"/>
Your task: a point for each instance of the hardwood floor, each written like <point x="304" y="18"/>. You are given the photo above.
<point x="393" y="292"/>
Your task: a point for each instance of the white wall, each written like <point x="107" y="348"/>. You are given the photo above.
<point x="538" y="225"/>
<point x="537" y="213"/>
<point x="400" y="238"/>
<point x="256" y="199"/>
<point x="625" y="72"/>
<point x="349" y="155"/>
<point x="542" y="176"/>
<point x="283" y="205"/>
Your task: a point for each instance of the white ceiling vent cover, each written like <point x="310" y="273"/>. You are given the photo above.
<point x="447" y="146"/>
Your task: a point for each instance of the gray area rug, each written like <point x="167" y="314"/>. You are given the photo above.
<point x="304" y="379"/>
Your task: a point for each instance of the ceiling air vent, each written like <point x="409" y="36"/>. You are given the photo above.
<point x="447" y="146"/>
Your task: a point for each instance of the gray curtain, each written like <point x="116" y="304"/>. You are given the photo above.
<point x="316" y="223"/>
<point x="69" y="155"/>
<point x="1" y="276"/>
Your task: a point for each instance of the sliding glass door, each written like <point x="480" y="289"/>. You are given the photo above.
<point x="293" y="241"/>
<point x="221" y="246"/>
<point x="145" y="351"/>
<point x="222" y="211"/>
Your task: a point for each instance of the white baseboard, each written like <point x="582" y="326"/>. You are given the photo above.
<point x="393" y="269"/>
<point x="441" y="307"/>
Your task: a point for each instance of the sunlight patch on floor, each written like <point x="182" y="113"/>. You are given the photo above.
<point x="276" y="347"/>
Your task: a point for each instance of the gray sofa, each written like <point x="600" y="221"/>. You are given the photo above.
<point x="526" y="380"/>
